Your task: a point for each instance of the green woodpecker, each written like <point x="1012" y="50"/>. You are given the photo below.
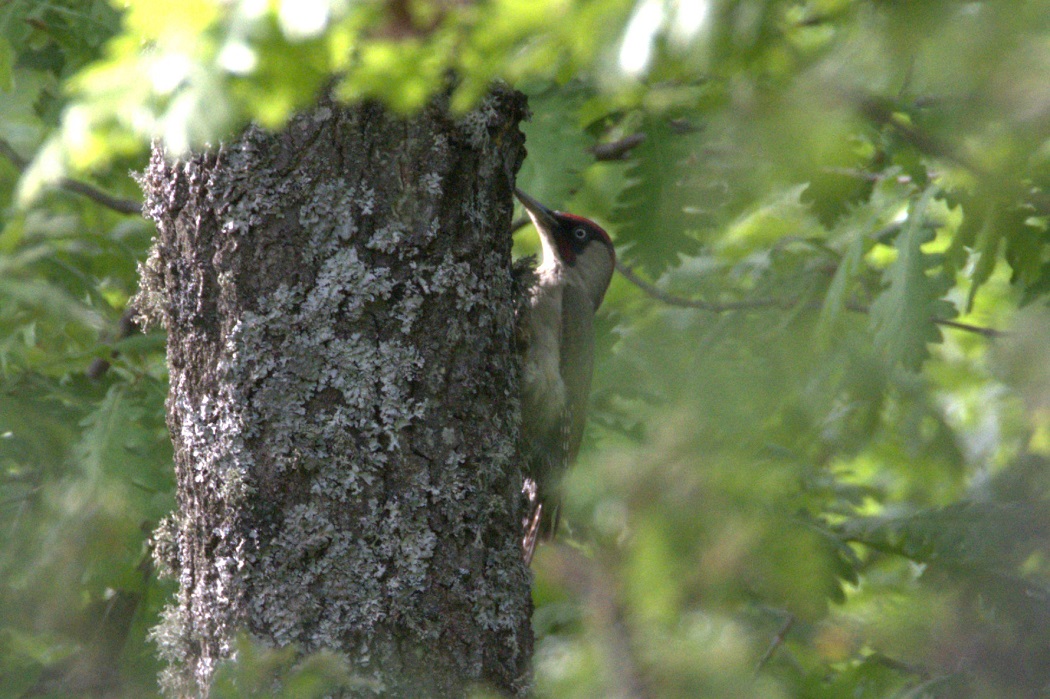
<point x="578" y="262"/>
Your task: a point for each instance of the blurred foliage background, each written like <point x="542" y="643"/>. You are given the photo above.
<point x="818" y="462"/>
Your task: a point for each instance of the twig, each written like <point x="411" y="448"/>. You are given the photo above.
<point x="123" y="206"/>
<point x="882" y="114"/>
<point x="726" y="306"/>
<point x="901" y="666"/>
<point x="12" y="155"/>
<point x="990" y="333"/>
<point x="713" y="306"/>
<point x="777" y="641"/>
<point x="125" y="329"/>
<point x="617" y="150"/>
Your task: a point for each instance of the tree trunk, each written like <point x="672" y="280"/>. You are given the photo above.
<point x="344" y="396"/>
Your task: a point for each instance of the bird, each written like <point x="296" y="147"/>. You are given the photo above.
<point x="577" y="263"/>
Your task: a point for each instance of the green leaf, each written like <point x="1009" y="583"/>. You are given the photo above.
<point x="989" y="241"/>
<point x="559" y="149"/>
<point x="903" y="315"/>
<point x="1025" y="247"/>
<point x="20" y="125"/>
<point x="837" y="296"/>
<point x="108" y="433"/>
<point x="657" y="212"/>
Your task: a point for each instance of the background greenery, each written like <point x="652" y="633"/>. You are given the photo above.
<point x="817" y="464"/>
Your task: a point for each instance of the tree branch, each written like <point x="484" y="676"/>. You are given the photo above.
<point x="777" y="641"/>
<point x="901" y="666"/>
<point x="726" y="306"/>
<point x="712" y="306"/>
<point x="617" y="150"/>
<point x="126" y="328"/>
<point x="990" y="333"/>
<point x="123" y="206"/>
<point x="881" y="113"/>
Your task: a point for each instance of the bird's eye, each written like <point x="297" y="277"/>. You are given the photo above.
<point x="580" y="234"/>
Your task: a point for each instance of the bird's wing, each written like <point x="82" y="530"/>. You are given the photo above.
<point x="577" y="363"/>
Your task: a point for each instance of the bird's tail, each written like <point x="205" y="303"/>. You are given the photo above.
<point x="539" y="522"/>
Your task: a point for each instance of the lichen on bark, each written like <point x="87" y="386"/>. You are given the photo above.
<point x="340" y="313"/>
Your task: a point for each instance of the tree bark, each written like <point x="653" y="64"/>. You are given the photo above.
<point x="344" y="396"/>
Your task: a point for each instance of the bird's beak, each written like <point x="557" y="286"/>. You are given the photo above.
<point x="540" y="214"/>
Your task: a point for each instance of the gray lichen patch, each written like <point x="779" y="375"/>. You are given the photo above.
<point x="340" y="309"/>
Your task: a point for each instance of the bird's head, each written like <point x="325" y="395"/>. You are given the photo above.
<point x="576" y="244"/>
